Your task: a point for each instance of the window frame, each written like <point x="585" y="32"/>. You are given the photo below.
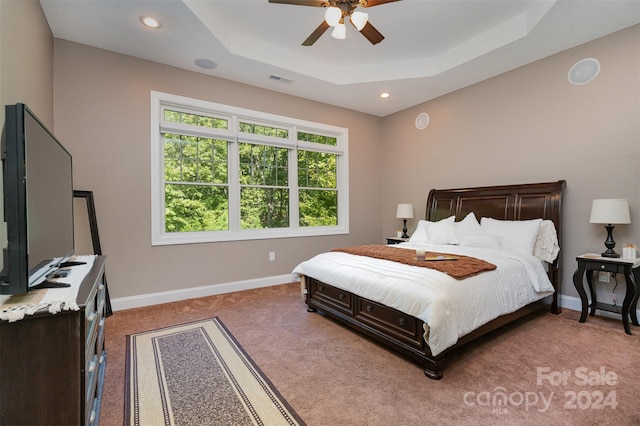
<point x="160" y="101"/>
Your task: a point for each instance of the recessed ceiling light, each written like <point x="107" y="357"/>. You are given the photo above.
<point x="150" y="22"/>
<point x="384" y="95"/>
<point x="207" y="64"/>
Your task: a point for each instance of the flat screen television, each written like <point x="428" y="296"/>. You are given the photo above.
<point x="38" y="203"/>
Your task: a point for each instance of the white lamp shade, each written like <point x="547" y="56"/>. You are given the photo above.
<point x="405" y="211"/>
<point x="339" y="32"/>
<point x="610" y="211"/>
<point x="332" y="16"/>
<point x="359" y="19"/>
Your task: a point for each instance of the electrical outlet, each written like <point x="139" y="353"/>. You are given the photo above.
<point x="603" y="277"/>
<point x="272" y="256"/>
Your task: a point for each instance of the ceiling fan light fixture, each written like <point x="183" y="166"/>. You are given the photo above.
<point x="337" y="13"/>
<point x="359" y="19"/>
<point x="332" y="16"/>
<point x="339" y="32"/>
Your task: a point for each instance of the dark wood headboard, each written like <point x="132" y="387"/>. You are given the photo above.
<point x="506" y="202"/>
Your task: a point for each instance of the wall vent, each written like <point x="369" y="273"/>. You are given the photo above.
<point x="280" y="79"/>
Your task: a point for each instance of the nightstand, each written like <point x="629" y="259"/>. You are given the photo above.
<point x="629" y="268"/>
<point x="396" y="240"/>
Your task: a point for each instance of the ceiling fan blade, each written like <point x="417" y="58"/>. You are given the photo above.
<point x="371" y="3"/>
<point x="315" y="3"/>
<point x="373" y="35"/>
<point x="315" y="35"/>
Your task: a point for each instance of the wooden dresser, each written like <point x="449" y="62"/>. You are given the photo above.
<point x="52" y="365"/>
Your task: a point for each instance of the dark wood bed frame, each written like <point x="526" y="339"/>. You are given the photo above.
<point x="404" y="333"/>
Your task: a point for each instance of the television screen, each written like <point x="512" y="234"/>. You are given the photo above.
<point x="38" y="201"/>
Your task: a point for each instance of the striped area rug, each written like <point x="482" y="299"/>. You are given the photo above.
<point x="197" y="374"/>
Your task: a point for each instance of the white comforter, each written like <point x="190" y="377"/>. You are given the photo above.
<point x="449" y="307"/>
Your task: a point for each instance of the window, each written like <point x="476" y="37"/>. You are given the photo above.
<point x="221" y="173"/>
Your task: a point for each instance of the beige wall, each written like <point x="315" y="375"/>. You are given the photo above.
<point x="102" y="116"/>
<point x="26" y="66"/>
<point x="531" y="125"/>
<point x="26" y="58"/>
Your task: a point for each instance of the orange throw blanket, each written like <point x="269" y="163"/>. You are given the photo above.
<point x="460" y="268"/>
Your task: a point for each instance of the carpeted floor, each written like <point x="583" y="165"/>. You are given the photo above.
<point x="544" y="370"/>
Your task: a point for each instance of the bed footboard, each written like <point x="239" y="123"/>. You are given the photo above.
<point x="394" y="329"/>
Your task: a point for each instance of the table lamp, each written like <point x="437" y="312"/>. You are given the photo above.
<point x="610" y="212"/>
<point x="404" y="212"/>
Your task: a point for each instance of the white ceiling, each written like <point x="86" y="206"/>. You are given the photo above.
<point x="431" y="47"/>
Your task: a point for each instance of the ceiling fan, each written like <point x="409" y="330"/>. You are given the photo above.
<point x="335" y="15"/>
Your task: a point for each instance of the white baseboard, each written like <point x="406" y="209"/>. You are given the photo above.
<point x="570" y="302"/>
<point x="149" y="299"/>
<point x="574" y="303"/>
<point x="120" y="303"/>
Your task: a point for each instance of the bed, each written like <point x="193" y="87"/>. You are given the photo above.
<point x="426" y="314"/>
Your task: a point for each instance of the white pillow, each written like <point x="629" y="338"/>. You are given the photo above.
<point x="515" y="234"/>
<point x="440" y="232"/>
<point x="468" y="226"/>
<point x="546" y="245"/>
<point x="481" y="241"/>
<point x="420" y="234"/>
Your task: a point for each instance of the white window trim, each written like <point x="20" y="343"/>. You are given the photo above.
<point x="160" y="237"/>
